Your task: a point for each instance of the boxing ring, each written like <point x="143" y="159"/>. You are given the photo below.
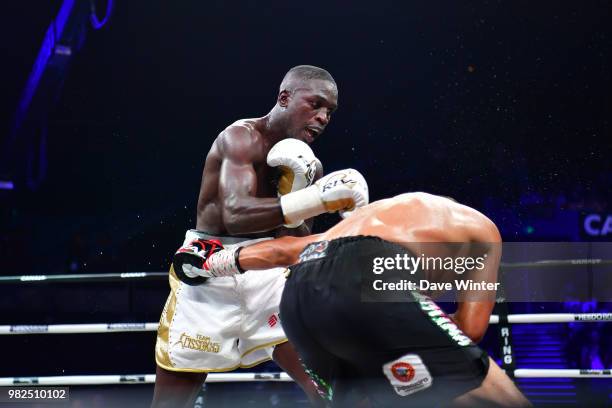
<point x="119" y="327"/>
<point x="277" y="376"/>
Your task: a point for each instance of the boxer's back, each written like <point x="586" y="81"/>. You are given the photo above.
<point x="425" y="224"/>
<point x="244" y="136"/>
<point x="413" y="218"/>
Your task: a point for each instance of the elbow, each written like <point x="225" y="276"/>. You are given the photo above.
<point x="476" y="337"/>
<point x="475" y="329"/>
<point x="475" y="332"/>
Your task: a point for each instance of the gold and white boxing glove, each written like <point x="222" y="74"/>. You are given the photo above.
<point x="342" y="190"/>
<point x="296" y="162"/>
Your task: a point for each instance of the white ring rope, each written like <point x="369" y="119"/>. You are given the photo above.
<point x="554" y="318"/>
<point x="137" y="379"/>
<point x="115" y="277"/>
<point x="85" y="277"/>
<point x="149" y="327"/>
<point x="250" y="377"/>
<point x="562" y="373"/>
<point x="78" y="328"/>
<point x="283" y="377"/>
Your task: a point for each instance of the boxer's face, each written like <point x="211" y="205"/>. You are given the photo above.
<point x="309" y="109"/>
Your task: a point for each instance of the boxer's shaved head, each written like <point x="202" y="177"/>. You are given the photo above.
<point x="300" y="75"/>
<point x="307" y="97"/>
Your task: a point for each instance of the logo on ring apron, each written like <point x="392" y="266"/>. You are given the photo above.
<point x="314" y="251"/>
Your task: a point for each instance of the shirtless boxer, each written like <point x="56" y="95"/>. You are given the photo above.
<point x="397" y="353"/>
<point x="233" y="322"/>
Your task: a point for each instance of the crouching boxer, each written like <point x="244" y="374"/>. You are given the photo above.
<point x="222" y="324"/>
<point x="398" y="353"/>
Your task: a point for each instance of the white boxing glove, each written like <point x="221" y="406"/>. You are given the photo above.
<point x="342" y="190"/>
<point x="296" y="162"/>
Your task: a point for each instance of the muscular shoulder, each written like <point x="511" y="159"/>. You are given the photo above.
<point x="457" y="222"/>
<point x="478" y="226"/>
<point x="240" y="142"/>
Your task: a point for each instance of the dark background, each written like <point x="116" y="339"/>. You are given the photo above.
<point x="488" y="102"/>
<point x="503" y="105"/>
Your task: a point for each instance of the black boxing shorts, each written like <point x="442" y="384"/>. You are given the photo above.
<point x="394" y="353"/>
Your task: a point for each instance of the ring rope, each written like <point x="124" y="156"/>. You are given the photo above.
<point x="116" y="277"/>
<point x="138" y="379"/>
<point x="149" y="327"/>
<point x="85" y="277"/>
<point x="555" y="262"/>
<point x="554" y="318"/>
<point x="250" y="377"/>
<point x="78" y="328"/>
<point x="562" y="373"/>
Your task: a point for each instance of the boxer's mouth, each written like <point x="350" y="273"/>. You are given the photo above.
<point x="312" y="133"/>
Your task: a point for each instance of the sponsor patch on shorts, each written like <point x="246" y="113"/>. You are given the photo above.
<point x="199" y="343"/>
<point x="407" y="374"/>
<point x="272" y="320"/>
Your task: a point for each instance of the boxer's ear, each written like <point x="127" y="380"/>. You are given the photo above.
<point x="283" y="98"/>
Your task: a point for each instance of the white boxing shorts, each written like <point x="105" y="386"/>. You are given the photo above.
<point x="223" y="324"/>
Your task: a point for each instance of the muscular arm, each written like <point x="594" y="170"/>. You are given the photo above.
<point x="243" y="212"/>
<point x="474" y="309"/>
<point x="276" y="252"/>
